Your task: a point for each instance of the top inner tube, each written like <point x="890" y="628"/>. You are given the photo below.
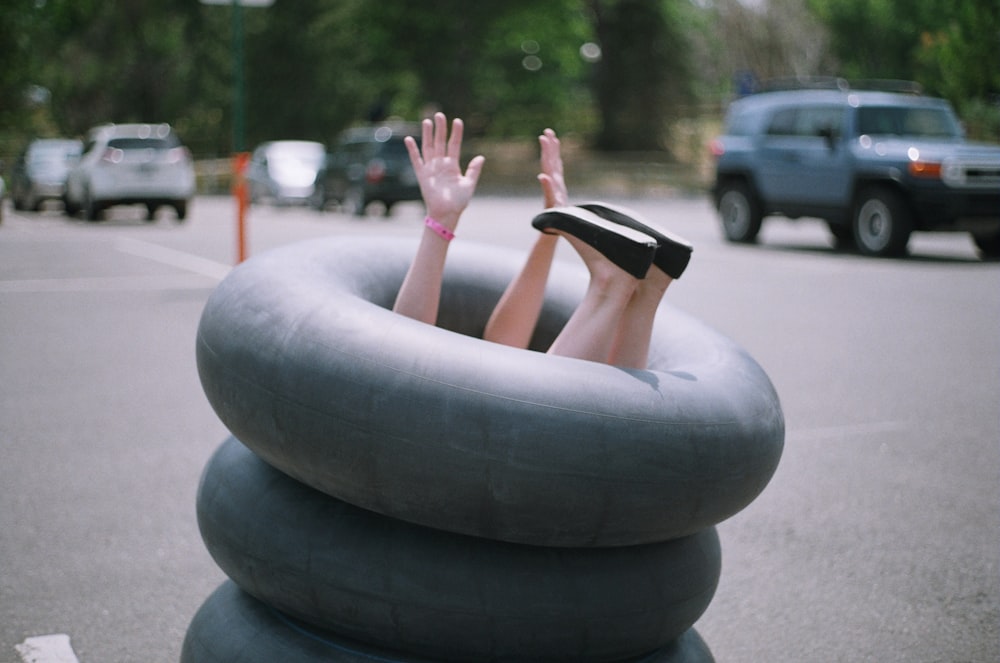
<point x="304" y="362"/>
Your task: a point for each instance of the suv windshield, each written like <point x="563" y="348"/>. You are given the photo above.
<point x="897" y="121"/>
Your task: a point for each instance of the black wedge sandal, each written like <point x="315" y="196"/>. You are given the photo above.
<point x="673" y="252"/>
<point x="631" y="250"/>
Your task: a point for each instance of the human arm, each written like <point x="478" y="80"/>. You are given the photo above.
<point x="446" y="191"/>
<point x="514" y="318"/>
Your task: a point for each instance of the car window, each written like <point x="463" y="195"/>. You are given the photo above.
<point x="929" y="122"/>
<point x="806" y="121"/>
<point x="901" y="121"/>
<point x="393" y="148"/>
<point x="782" y="123"/>
<point x="53" y="151"/>
<point x="308" y="154"/>
<point x="143" y="143"/>
<point x="818" y="120"/>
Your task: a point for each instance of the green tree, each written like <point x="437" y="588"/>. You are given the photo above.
<point x="16" y="31"/>
<point x="956" y="53"/>
<point x="643" y="75"/>
<point x="949" y="47"/>
<point x="871" y="38"/>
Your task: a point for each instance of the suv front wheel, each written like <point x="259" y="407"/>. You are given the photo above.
<point x="740" y="212"/>
<point x="882" y="223"/>
<point x="989" y="245"/>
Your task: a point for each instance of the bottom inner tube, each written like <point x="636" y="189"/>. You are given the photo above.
<point x="232" y="627"/>
<point x="441" y="595"/>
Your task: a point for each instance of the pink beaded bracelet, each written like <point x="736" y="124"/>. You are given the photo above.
<point x="439" y="229"/>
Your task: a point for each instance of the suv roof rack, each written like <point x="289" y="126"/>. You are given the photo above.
<point x="838" y="83"/>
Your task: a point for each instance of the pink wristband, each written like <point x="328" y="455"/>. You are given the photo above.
<point x="439" y="229"/>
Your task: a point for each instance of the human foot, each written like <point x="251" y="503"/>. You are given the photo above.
<point x="673" y="252"/>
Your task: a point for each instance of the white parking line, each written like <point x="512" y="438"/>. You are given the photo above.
<point x="174" y="258"/>
<point x="107" y="284"/>
<point x="849" y="430"/>
<point x="198" y="269"/>
<point x="47" y="649"/>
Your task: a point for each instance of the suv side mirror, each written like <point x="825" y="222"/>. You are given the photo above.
<point x="830" y="135"/>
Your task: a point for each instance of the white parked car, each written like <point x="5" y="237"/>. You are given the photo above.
<point x="39" y="174"/>
<point x="284" y="171"/>
<point x="131" y="164"/>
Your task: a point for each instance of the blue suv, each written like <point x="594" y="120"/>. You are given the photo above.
<point x="875" y="166"/>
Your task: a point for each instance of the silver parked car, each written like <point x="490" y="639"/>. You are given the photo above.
<point x="284" y="171"/>
<point x="131" y="164"/>
<point x="40" y="172"/>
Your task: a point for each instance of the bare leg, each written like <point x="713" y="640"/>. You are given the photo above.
<point x="514" y="319"/>
<point x="591" y="331"/>
<point x="635" y="329"/>
<point x="446" y="193"/>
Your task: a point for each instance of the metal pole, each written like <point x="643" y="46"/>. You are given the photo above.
<point x="240" y="160"/>
<point x="239" y="101"/>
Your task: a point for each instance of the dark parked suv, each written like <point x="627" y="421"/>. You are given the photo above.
<point x="369" y="164"/>
<point x="874" y="165"/>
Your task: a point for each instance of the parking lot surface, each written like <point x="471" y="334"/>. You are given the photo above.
<point x="876" y="540"/>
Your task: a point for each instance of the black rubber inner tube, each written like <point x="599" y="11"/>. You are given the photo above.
<point x="233" y="626"/>
<point x="441" y="595"/>
<point x="304" y="362"/>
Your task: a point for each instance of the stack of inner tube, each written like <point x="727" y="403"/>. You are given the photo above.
<point x="396" y="491"/>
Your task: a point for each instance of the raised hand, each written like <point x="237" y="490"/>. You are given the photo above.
<point x="445" y="189"/>
<point x="551" y="178"/>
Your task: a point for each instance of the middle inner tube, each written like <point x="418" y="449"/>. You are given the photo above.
<point x="440" y="595"/>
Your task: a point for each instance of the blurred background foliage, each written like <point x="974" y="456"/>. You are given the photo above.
<point x="621" y="75"/>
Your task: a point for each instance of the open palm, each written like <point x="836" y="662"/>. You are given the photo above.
<point x="445" y="189"/>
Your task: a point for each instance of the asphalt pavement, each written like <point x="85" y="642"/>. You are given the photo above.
<point x="876" y="540"/>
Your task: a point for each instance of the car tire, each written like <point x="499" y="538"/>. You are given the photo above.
<point x="181" y="209"/>
<point x="354" y="200"/>
<point x="843" y="235"/>
<point x="740" y="212"/>
<point x="318" y="198"/>
<point x="92" y="210"/>
<point x="69" y="207"/>
<point x="988" y="245"/>
<point x="882" y="224"/>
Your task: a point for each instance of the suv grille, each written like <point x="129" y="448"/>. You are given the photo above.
<point x="961" y="173"/>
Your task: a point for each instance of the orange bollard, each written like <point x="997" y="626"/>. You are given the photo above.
<point x="241" y="160"/>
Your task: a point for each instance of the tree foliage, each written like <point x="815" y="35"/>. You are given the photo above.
<point x="643" y="73"/>
<point x="616" y="71"/>
<point x="951" y="48"/>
